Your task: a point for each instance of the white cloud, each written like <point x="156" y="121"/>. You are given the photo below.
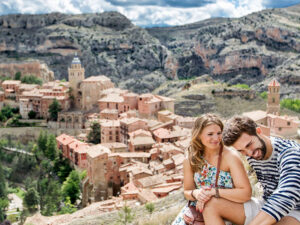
<point x="138" y="14"/>
<point x="144" y="16"/>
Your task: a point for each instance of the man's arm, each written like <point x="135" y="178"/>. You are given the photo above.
<point x="287" y="194"/>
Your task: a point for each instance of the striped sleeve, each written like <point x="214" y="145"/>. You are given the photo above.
<point x="287" y="194"/>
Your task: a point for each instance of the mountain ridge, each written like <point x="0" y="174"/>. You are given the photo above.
<point x="252" y="49"/>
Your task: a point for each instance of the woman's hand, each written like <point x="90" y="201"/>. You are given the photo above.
<point x="200" y="206"/>
<point x="203" y="194"/>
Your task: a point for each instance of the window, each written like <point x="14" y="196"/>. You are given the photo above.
<point x="279" y="128"/>
<point x="107" y="105"/>
<point x="273" y="100"/>
<point x="110" y="138"/>
<point x="288" y="123"/>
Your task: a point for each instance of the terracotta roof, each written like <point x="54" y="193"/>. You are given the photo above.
<point x="111" y="111"/>
<point x="147" y="195"/>
<point x="114" y="145"/>
<point x="178" y="159"/>
<point x="97" y="150"/>
<point x="82" y="149"/>
<point x="116" y="98"/>
<point x="146" y="95"/>
<point x="152" y="180"/>
<point x="274" y="83"/>
<point x="176" y="183"/>
<point x="130" y="120"/>
<point x="114" y="91"/>
<point x="256" y="115"/>
<point x="11" y="82"/>
<point x="110" y="123"/>
<point x="130" y="94"/>
<point x="65" y="139"/>
<point x="139" y="170"/>
<point x="164" y="133"/>
<point x="165" y="112"/>
<point x="76" y="144"/>
<point x="130" y="187"/>
<point x="140" y="132"/>
<point x="168" y="162"/>
<point x="141" y="140"/>
<point x="166" y="189"/>
<point x="28" y="86"/>
<point x="131" y="154"/>
<point x="164" y="98"/>
<point x="96" y="78"/>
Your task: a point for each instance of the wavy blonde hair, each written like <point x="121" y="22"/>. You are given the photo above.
<point x="196" y="148"/>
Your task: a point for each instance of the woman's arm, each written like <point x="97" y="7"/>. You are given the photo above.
<point x="188" y="180"/>
<point x="241" y="192"/>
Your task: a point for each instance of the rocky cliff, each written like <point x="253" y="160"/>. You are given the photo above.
<point x="252" y="49"/>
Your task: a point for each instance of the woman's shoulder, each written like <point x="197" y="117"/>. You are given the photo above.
<point x="230" y="154"/>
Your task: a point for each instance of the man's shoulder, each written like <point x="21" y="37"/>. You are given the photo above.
<point x="283" y="146"/>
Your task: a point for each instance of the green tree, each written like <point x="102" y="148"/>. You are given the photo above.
<point x="126" y="216"/>
<point x="94" y="135"/>
<point x="71" y="187"/>
<point x="32" y="114"/>
<point x="54" y="109"/>
<point x="264" y="95"/>
<point x="3" y="191"/>
<point x="18" y="75"/>
<point x="62" y="167"/>
<point x="42" y="141"/>
<point x="7" y="111"/>
<point x="68" y="207"/>
<point x="3" y="205"/>
<point x="3" y="194"/>
<point x="31" y="79"/>
<point x="292" y="104"/>
<point x="51" y="148"/>
<point x="31" y="199"/>
<point x="149" y="207"/>
<point x="52" y="197"/>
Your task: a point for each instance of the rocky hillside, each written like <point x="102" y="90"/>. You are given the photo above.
<point x="252" y="49"/>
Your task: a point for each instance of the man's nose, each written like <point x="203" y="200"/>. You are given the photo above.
<point x="248" y="152"/>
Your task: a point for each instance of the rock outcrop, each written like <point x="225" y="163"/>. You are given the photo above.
<point x="35" y="68"/>
<point x="252" y="49"/>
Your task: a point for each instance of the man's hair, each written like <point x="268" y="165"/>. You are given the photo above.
<point x="235" y="127"/>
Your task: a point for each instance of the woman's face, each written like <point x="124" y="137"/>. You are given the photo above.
<point x="211" y="136"/>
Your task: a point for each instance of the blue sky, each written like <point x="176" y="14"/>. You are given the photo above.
<point x="147" y="13"/>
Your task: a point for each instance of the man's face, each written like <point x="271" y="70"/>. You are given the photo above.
<point x="251" y="145"/>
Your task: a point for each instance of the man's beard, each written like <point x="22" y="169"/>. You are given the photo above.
<point x="263" y="148"/>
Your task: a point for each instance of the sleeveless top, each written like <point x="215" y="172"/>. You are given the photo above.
<point x="207" y="177"/>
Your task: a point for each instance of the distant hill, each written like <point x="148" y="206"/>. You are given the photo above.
<point x="252" y="49"/>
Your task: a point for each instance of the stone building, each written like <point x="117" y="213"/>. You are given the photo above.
<point x="128" y="125"/>
<point x="273" y="105"/>
<point x="270" y="121"/>
<point x="110" y="131"/>
<point x="85" y="93"/>
<point x="149" y="104"/>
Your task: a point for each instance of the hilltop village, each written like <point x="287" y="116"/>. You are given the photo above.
<point x="143" y="143"/>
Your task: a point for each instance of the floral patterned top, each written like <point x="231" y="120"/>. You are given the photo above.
<point x="207" y="177"/>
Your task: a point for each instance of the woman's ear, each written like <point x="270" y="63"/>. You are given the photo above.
<point x="258" y="130"/>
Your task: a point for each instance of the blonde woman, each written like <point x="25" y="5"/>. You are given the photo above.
<point x="200" y="169"/>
